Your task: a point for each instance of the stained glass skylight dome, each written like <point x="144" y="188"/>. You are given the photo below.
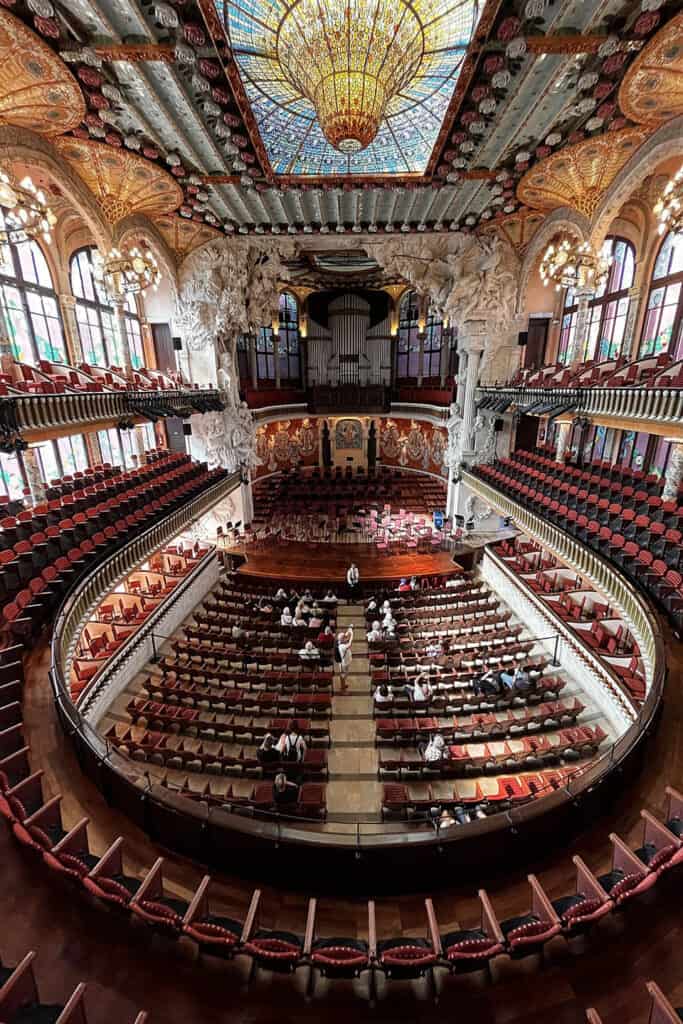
<point x="349" y="86"/>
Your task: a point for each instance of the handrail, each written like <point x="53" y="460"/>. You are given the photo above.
<point x="21" y="413"/>
<point x="657" y="404"/>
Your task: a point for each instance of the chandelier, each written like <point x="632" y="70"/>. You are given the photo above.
<point x="127" y="273"/>
<point x="575" y="265"/>
<point x="669" y="207"/>
<point x="27" y="214"/>
<point x="350" y="61"/>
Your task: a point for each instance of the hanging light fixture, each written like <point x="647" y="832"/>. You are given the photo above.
<point x="351" y="60"/>
<point x="669" y="207"/>
<point x="127" y="272"/>
<point x="575" y="265"/>
<point x="27" y="213"/>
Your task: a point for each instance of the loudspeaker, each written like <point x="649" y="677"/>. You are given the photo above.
<point x="177" y="344"/>
<point x="522" y="337"/>
<point x="498" y="426"/>
<point x="187" y="429"/>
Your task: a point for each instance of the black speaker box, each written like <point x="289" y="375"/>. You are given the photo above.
<point x="498" y="426"/>
<point x="187" y="429"/>
<point x="522" y="337"/>
<point x="177" y="344"/>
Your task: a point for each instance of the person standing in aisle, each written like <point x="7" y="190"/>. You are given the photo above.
<point x="352" y="581"/>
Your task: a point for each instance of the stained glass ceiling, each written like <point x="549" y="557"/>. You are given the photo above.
<point x="287" y="120"/>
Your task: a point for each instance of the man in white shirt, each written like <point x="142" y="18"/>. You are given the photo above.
<point x="352" y="580"/>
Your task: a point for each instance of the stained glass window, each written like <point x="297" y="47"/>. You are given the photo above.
<point x="28" y="304"/>
<point x="289" y="123"/>
<point x="408" y="345"/>
<point x="608" y="311"/>
<point x="662" y="327"/>
<point x="95" y="317"/>
<point x="288" y="345"/>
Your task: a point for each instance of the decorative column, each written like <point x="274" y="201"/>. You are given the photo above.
<point x="443" y="358"/>
<point x="139" y="443"/>
<point x="631" y="321"/>
<point x="276" y="356"/>
<point x="460" y="381"/>
<point x="120" y="326"/>
<point x="33" y="475"/>
<point x="574" y="355"/>
<point x="673" y="476"/>
<point x="6" y="350"/>
<point x="67" y="305"/>
<point x="474" y="343"/>
<point x="253" y="365"/>
<point x="92" y="446"/>
<point x="561" y="441"/>
<point x="247" y="495"/>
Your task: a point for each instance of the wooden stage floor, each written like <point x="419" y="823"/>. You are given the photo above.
<point x="327" y="563"/>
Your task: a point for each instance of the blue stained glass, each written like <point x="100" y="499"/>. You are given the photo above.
<point x="287" y="121"/>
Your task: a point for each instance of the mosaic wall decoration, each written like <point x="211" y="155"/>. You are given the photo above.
<point x="413" y="445"/>
<point x="36" y="89"/>
<point x="286" y="444"/>
<point x="348" y="434"/>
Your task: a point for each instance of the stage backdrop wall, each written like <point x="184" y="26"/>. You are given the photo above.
<point x="412" y="444"/>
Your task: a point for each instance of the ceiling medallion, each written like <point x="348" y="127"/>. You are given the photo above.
<point x="575" y="265"/>
<point x="27" y="214"/>
<point x="350" y="63"/>
<point x="127" y="272"/>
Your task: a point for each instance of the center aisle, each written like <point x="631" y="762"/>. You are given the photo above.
<point x="353" y="788"/>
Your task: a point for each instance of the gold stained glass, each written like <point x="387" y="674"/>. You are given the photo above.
<point x="349" y="86"/>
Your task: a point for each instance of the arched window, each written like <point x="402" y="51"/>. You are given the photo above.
<point x="96" y="318"/>
<point x="608" y="311"/>
<point x="662" y="328"/>
<point x="408" y="348"/>
<point x="29" y="303"/>
<point x="289" y="347"/>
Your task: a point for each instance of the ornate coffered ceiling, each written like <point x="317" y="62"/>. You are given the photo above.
<point x="176" y="84"/>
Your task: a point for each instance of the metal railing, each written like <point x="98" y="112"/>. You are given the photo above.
<point x="653" y="404"/>
<point x="20" y="414"/>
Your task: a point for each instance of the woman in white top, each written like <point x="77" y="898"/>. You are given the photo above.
<point x="436" y="749"/>
<point x="375" y="634"/>
<point x="389" y="622"/>
<point x="345" y="655"/>
<point x="286" y="617"/>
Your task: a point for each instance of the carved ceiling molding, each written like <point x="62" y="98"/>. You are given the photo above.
<point x="560" y="222"/>
<point x="19" y="145"/>
<point x="517" y="228"/>
<point x="578" y="176"/>
<point x="121" y="182"/>
<point x="36" y="89"/>
<point x="652" y="89"/>
<point x="184" y="236"/>
<point x="665" y="143"/>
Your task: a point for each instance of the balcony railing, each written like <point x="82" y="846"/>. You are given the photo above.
<point x="20" y="414"/>
<point x="656" y="405"/>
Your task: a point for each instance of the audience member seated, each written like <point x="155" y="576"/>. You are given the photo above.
<point x="285" y="793"/>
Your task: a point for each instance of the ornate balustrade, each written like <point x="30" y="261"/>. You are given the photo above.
<point x="656" y="405"/>
<point x="25" y="413"/>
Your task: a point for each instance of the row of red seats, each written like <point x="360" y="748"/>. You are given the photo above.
<point x="38" y="825"/>
<point x="36" y="576"/>
<point x="20" y="998"/>
<point x="637" y="558"/>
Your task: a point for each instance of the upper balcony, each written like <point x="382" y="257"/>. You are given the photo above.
<point x="349" y="398"/>
<point x="648" y="391"/>
<point x="55" y="396"/>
